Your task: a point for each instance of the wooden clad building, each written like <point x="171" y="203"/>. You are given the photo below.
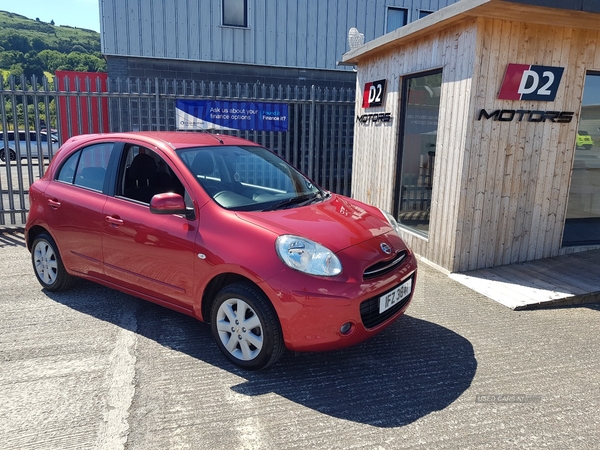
<point x="468" y="129"/>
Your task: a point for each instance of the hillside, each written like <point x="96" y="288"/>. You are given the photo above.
<point x="32" y="47"/>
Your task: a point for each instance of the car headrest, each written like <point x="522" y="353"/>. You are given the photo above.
<point x="203" y="164"/>
<point x="143" y="167"/>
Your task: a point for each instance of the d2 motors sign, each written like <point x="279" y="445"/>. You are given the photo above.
<point x="530" y="82"/>
<point x="373" y="94"/>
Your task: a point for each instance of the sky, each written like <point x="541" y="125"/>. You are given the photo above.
<point x="74" y="13"/>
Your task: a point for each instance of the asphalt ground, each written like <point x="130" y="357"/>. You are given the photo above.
<point x="93" y="368"/>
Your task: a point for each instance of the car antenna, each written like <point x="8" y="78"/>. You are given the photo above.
<point x="215" y="136"/>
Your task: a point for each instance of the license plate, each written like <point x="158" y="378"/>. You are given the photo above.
<point x="397" y="295"/>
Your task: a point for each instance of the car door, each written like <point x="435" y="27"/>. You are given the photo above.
<point x="148" y="253"/>
<point x="75" y="201"/>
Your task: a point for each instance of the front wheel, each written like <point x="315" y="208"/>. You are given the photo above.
<point x="48" y="266"/>
<point x="246" y="327"/>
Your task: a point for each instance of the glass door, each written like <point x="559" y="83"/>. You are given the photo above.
<point x="420" y="107"/>
<point x="582" y="225"/>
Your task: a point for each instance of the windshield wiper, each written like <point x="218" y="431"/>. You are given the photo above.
<point x="294" y="201"/>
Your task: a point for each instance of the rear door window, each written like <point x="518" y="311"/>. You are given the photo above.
<point x="87" y="167"/>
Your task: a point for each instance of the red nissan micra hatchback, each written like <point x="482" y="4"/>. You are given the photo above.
<point x="224" y="230"/>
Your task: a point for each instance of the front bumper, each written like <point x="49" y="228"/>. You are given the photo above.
<point x="312" y="316"/>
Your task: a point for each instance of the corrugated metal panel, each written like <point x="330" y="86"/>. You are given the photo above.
<point x="280" y="34"/>
<point x="301" y="34"/>
<point x="292" y="33"/>
<point x="193" y="44"/>
<point x="170" y="29"/>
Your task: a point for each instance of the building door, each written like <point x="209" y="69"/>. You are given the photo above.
<point x="582" y="225"/>
<point x="420" y="107"/>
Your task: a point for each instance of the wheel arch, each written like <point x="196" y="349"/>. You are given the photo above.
<point x="216" y="284"/>
<point x="33" y="233"/>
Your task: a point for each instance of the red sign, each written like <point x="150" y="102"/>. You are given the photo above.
<point x="529" y="82"/>
<point x="74" y="110"/>
<point x="373" y="94"/>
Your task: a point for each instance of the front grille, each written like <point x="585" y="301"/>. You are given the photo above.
<point x="369" y="310"/>
<point x="383" y="267"/>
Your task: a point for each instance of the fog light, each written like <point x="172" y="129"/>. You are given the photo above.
<point x="346" y="328"/>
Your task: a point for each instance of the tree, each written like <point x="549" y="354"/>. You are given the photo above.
<point x="16" y="70"/>
<point x="52" y="59"/>
<point x="11" y="40"/>
<point x="82" y="62"/>
<point x="38" y="44"/>
<point x="79" y="48"/>
<point x="11" y="57"/>
<point x="33" y="66"/>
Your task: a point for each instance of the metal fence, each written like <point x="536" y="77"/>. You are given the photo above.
<point x="318" y="141"/>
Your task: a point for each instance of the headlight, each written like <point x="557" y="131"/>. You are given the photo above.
<point x="307" y="256"/>
<point x="392" y="221"/>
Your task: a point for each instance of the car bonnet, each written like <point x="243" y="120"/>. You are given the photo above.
<point x="337" y="223"/>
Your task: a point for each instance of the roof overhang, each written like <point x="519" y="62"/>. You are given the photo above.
<point x="512" y="10"/>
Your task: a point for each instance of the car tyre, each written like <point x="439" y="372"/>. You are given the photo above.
<point x="48" y="266"/>
<point x="246" y="327"/>
<point x="13" y="155"/>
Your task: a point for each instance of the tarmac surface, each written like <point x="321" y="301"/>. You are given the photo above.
<point x="92" y="368"/>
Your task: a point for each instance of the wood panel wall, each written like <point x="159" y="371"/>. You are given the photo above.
<point x="500" y="189"/>
<point x="376" y="146"/>
<point x="516" y="175"/>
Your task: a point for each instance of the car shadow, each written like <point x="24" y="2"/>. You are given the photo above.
<point x="408" y="371"/>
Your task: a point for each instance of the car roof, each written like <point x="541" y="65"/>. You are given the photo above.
<point x="23" y="131"/>
<point x="182" y="139"/>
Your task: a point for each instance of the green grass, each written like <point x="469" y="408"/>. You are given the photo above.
<point x="53" y="37"/>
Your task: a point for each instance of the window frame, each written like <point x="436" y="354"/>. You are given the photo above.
<point x="401" y="150"/>
<point x="576" y="226"/>
<point x="234" y="25"/>
<point x="387" y="18"/>
<point x="78" y="154"/>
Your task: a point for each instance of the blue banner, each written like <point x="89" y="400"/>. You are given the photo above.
<point x="231" y="115"/>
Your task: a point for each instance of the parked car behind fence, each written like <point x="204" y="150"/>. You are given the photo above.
<point x="26" y="145"/>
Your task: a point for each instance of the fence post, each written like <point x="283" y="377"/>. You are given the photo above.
<point x="311" y="133"/>
<point x="157" y="101"/>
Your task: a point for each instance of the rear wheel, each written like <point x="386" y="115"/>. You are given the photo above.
<point x="13" y="155"/>
<point x="48" y="266"/>
<point x="246" y="327"/>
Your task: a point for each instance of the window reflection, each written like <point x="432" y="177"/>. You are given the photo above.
<point x="583" y="209"/>
<point x="420" y="111"/>
<point x="234" y="13"/>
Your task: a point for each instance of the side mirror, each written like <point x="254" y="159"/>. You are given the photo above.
<point x="168" y="203"/>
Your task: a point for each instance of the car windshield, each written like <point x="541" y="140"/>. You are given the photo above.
<point x="249" y="178"/>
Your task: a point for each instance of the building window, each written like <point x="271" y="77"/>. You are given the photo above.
<point x="423" y="13"/>
<point x="419" y="114"/>
<point x="235" y="13"/>
<point x="396" y="18"/>
<point x="582" y="225"/>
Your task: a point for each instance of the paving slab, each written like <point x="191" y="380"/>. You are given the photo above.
<point x="93" y="368"/>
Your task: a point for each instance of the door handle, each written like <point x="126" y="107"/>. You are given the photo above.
<point x="53" y="204"/>
<point x="113" y="220"/>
